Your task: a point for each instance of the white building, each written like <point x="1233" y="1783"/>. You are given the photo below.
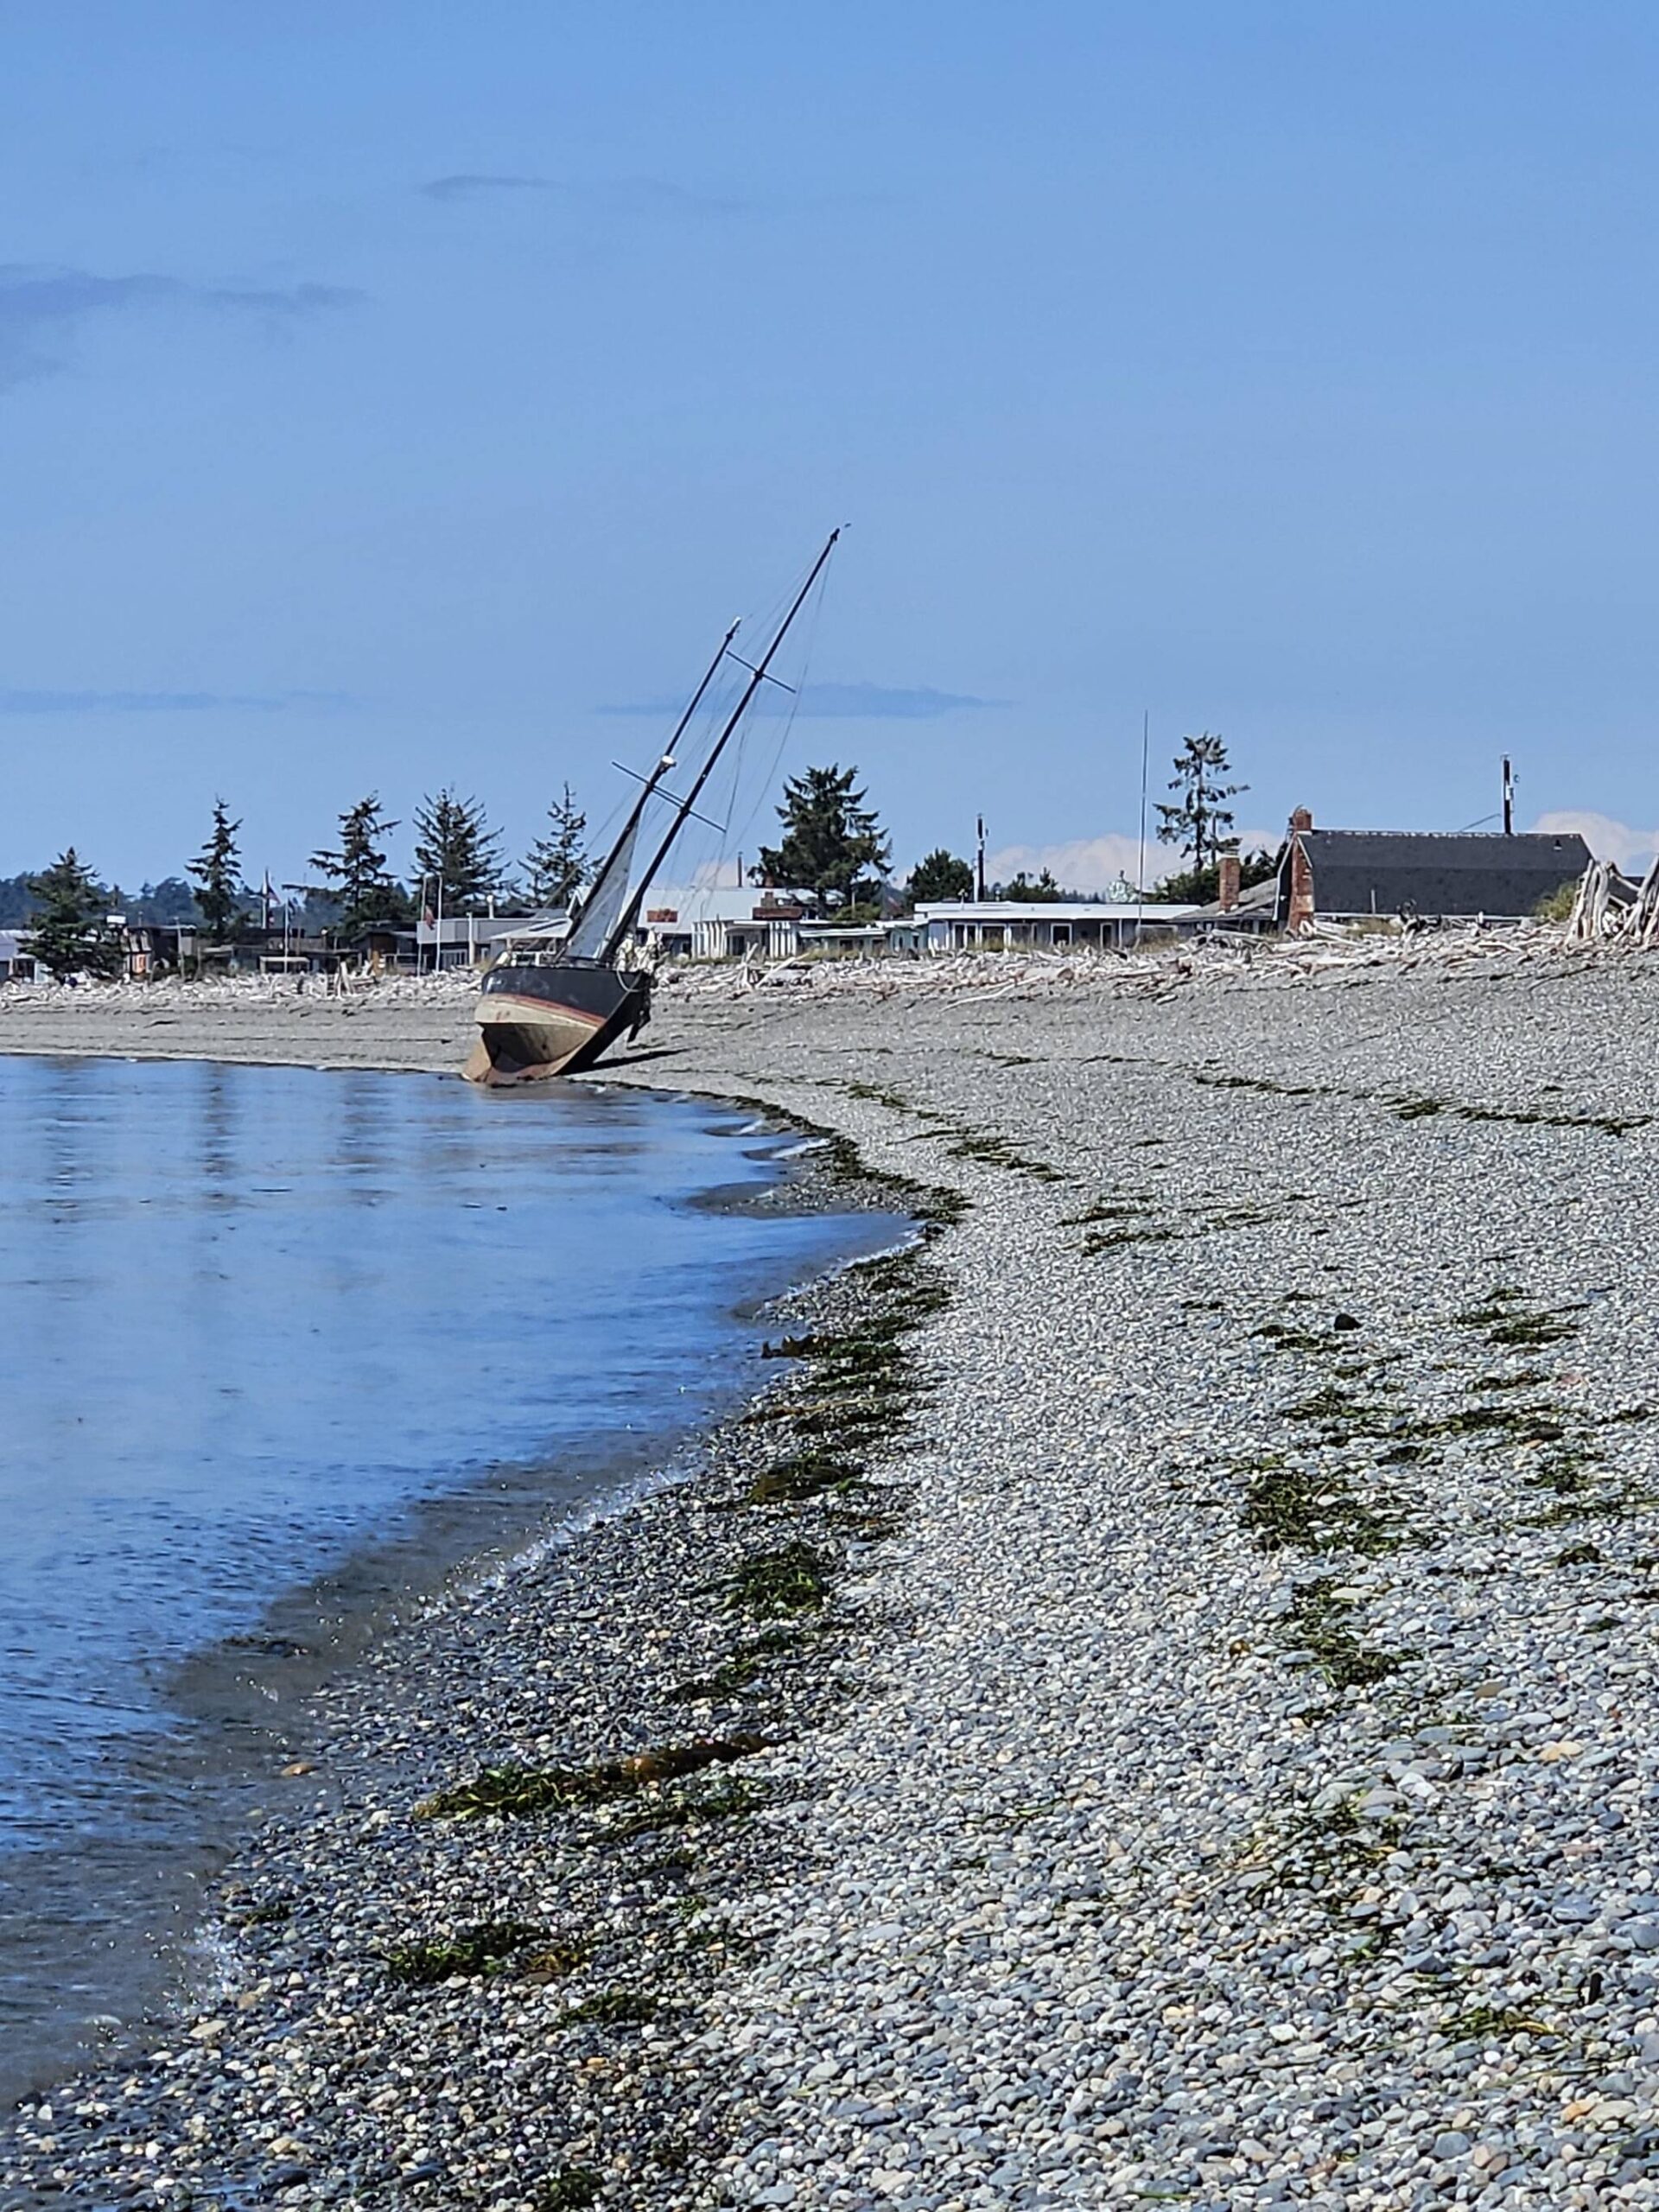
<point x="1001" y="925"/>
<point x="727" y="921"/>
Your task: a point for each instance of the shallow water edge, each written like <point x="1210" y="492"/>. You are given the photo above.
<point x="246" y="1707"/>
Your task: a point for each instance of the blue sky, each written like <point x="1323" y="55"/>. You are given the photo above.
<point x="390" y="392"/>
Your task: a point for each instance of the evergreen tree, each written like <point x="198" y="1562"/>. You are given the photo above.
<point x="1200" y="821"/>
<point x="169" y="901"/>
<point x="832" y="843"/>
<point x="357" y="879"/>
<point x="216" y="872"/>
<point x="456" y="845"/>
<point x="15" y="903"/>
<point x="1044" y="892"/>
<point x="556" y="864"/>
<point x="69" y="933"/>
<point x="940" y="876"/>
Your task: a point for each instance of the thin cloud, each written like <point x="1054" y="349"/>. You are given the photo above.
<point x="1097" y="863"/>
<point x="41" y="307"/>
<point x="633" y="195"/>
<point x="839" y="702"/>
<point x="1632" y="851"/>
<point x="471" y="184"/>
<point x="170" y="703"/>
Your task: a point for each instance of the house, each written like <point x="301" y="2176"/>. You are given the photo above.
<point x="1001" y="924"/>
<point x="465" y="940"/>
<point x="16" y="966"/>
<point x="729" y="921"/>
<point x="1352" y="874"/>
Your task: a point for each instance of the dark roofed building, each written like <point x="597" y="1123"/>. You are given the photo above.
<point x="1347" y="874"/>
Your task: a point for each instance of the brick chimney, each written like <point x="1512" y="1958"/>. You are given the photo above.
<point x="1226" y="890"/>
<point x="1301" y="873"/>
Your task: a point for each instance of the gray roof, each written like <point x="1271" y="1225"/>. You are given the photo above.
<point x="1380" y="871"/>
<point x="1257" y="903"/>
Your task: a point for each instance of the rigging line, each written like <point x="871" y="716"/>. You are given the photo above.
<point x="624" y="843"/>
<point x="727" y="731"/>
<point x="765" y="782"/>
<point x="744" y="741"/>
<point x="713" y="856"/>
<point x="623" y="769"/>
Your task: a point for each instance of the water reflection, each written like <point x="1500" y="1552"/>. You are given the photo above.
<point x="249" y="1319"/>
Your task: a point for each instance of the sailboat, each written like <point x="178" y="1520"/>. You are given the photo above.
<point x="555" y="1009"/>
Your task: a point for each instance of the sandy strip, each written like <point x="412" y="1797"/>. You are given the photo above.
<point x="1248" y="1796"/>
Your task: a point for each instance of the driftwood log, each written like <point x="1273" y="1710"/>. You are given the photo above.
<point x="1609" y="906"/>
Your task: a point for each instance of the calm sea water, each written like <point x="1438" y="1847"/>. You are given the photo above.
<point x="283" y="1338"/>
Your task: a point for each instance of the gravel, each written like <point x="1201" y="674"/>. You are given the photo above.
<point x="1221" y="1769"/>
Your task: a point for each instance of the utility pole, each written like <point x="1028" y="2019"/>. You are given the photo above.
<point x="1141" y="865"/>
<point x="1509" y="799"/>
<point x="979" y="863"/>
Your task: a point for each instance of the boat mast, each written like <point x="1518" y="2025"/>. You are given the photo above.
<point x="757" y="677"/>
<point x="650" y="783"/>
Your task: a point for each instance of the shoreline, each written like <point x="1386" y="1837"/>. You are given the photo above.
<point x="1245" y="1798"/>
<point x="570" y="1607"/>
<point x="587" y="1552"/>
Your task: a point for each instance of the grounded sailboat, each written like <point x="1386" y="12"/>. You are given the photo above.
<point x="557" y="1010"/>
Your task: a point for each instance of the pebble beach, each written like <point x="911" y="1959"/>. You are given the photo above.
<point x="1155" y="1703"/>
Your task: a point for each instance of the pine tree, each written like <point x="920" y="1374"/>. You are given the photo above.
<point x="70" y="934"/>
<point x="216" y="869"/>
<point x="940" y="876"/>
<point x="1200" y="821"/>
<point x="457" y="847"/>
<point x="832" y="842"/>
<point x="356" y="870"/>
<point x="1044" y="892"/>
<point x="556" y="864"/>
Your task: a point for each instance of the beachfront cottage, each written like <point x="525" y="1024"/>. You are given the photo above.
<point x="1044" y="925"/>
<point x="1356" y="875"/>
<point x="1348" y="876"/>
<point x="732" y="922"/>
<point x="16" y="965"/>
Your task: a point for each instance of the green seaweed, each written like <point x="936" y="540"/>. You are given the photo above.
<point x="612" y="2008"/>
<point x="807" y="1475"/>
<point x="519" y="1792"/>
<point x="1486" y="2023"/>
<point x="1303" y="1509"/>
<point x="1318" y="1623"/>
<point x="570" y="2189"/>
<point x="750" y="1661"/>
<point x="684" y="1809"/>
<point x="482" y="1948"/>
<point x="796" y="1577"/>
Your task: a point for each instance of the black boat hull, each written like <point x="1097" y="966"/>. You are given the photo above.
<point x="538" y="1020"/>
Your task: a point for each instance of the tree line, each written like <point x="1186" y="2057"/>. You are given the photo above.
<point x="832" y="846"/>
<point x="66" y="908"/>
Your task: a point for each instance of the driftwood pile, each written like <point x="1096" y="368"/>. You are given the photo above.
<point x="1152" y="972"/>
<point x="1610" y="908"/>
<point x="172" y="993"/>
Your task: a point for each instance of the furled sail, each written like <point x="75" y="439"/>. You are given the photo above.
<point x="606" y="901"/>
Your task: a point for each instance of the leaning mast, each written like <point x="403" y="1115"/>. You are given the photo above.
<point x="757" y="676"/>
